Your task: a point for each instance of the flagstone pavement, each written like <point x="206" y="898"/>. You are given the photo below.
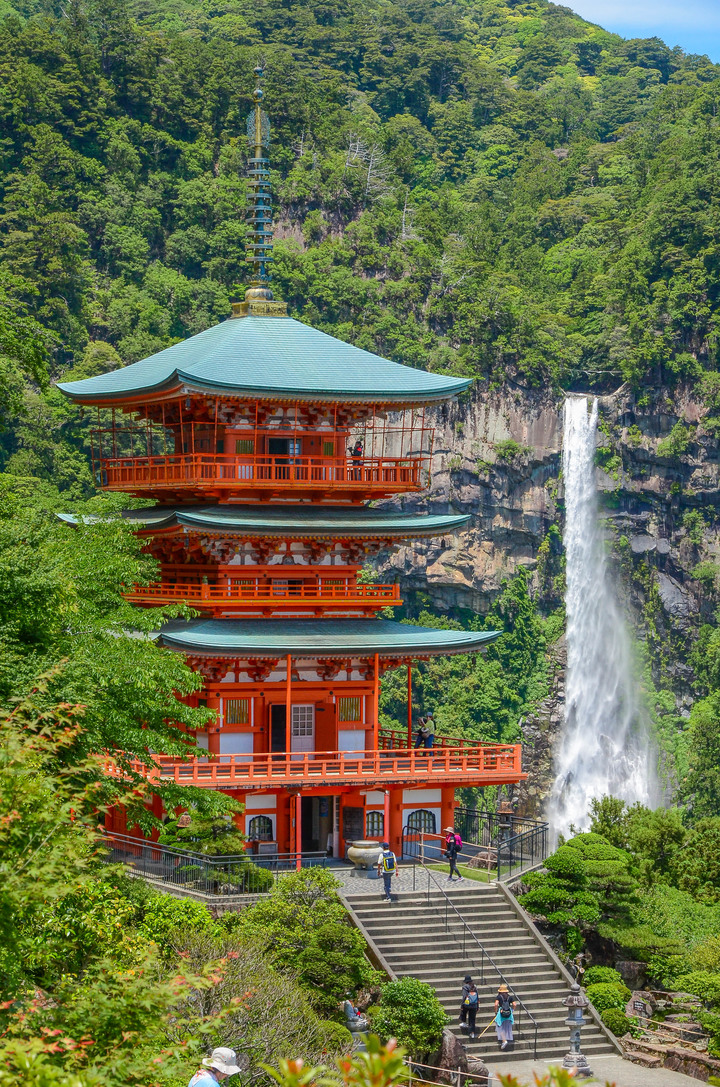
<point x="606" y="1069"/>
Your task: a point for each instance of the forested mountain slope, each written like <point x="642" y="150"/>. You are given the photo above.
<point x="489" y="186"/>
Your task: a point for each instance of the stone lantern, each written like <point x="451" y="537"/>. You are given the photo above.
<point x="576" y="1002"/>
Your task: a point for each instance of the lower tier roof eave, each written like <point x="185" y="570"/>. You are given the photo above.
<point x="318" y="638"/>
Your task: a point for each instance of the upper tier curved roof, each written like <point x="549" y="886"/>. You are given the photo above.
<point x="271" y="358"/>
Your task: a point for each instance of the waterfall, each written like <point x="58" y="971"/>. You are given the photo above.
<point x="604" y="748"/>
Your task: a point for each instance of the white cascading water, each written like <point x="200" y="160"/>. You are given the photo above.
<point x="604" y="749"/>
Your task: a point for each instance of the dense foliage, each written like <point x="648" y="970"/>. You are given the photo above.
<point x="496" y="188"/>
<point x="642" y="887"/>
<point x="482" y="696"/>
<point x="108" y="981"/>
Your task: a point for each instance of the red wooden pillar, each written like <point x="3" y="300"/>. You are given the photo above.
<point x="393" y="832"/>
<point x="376" y="699"/>
<point x="386" y="816"/>
<point x="409" y="700"/>
<point x="213" y="703"/>
<point x="298" y="830"/>
<point x="288" y="705"/>
<point x="447" y="808"/>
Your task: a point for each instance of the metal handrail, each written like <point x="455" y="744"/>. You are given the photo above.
<point x="466" y="930"/>
<point x="242" y="873"/>
<point x="516" y="845"/>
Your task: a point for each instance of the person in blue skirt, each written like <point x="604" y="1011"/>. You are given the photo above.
<point x="504" y="1018"/>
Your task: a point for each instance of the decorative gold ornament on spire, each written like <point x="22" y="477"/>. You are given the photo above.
<point x="259" y="297"/>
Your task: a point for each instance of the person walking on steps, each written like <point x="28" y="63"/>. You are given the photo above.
<point x="216" y="1068"/>
<point x="387" y="867"/>
<point x="504" y="1018"/>
<point x="453" y="845"/>
<point x="471" y="1003"/>
<point x="467" y="982"/>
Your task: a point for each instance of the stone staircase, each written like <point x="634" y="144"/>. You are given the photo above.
<point x="415" y="940"/>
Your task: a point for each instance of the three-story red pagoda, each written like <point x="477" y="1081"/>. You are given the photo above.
<point x="264" y="443"/>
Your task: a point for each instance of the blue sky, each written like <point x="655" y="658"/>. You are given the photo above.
<point x="692" y="24"/>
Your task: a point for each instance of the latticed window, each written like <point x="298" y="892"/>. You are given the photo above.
<point x="303" y="720"/>
<point x="244" y="446"/>
<point x="349" y="709"/>
<point x="260" y="828"/>
<point x="328" y="449"/>
<point x="375" y="824"/>
<point x="423" y="820"/>
<point x="237" y="711"/>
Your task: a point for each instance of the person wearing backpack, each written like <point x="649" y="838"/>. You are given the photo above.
<point x="453" y="845"/>
<point x="387" y="867"/>
<point x="467" y="982"/>
<point x="471" y="1004"/>
<point x="504" y="1018"/>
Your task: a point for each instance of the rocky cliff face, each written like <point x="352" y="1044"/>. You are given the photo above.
<point x="498" y="458"/>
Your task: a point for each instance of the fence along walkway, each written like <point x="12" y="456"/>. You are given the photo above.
<point x="502" y="848"/>
<point x="246" y="873"/>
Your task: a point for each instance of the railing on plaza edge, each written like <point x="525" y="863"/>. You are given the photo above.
<point x="187" y="469"/>
<point x="472" y="949"/>
<point x="332" y="767"/>
<point x="503" y="855"/>
<point x="245" y="873"/>
<point x="519" y="842"/>
<point x="273" y="595"/>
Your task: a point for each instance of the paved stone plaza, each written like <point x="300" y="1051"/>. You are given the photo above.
<point x="606" y="1069"/>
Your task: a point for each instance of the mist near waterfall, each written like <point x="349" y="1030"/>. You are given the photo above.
<point x="604" y="747"/>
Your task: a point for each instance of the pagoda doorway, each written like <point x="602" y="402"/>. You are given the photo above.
<point x="316" y="829"/>
<point x="278" y="722"/>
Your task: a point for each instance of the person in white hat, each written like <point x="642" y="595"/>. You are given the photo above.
<point x="216" y="1068"/>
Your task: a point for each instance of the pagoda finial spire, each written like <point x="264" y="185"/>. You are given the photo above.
<point x="259" y="297"/>
<point x="260" y="215"/>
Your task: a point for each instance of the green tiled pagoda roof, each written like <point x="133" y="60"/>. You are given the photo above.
<point x="246" y="638"/>
<point x="297" y="521"/>
<point x="271" y="357"/>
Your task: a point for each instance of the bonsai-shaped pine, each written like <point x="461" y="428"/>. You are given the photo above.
<point x="209" y="835"/>
<point x="215" y="836"/>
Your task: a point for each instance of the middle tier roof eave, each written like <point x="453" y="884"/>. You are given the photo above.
<point x="310" y="521"/>
<point x="318" y="638"/>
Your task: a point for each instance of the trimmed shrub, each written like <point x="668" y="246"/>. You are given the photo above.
<point x="410" y="1011"/>
<point x="604" y="996"/>
<point x="701" y="983"/>
<point x="602" y="975"/>
<point x="616" y="1021"/>
<point x="336" y="1037"/>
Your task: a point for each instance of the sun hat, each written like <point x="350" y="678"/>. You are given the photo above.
<point x="222" y="1060"/>
<point x="501" y="989"/>
<point x="449" y="830"/>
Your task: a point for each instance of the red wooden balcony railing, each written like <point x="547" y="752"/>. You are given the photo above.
<point x="478" y="764"/>
<point x="315" y="593"/>
<point x="374" y="475"/>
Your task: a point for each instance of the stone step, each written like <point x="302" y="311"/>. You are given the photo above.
<point x="391" y="922"/>
<point x="439" y="943"/>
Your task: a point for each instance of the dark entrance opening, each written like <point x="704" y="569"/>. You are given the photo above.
<point x="279" y="447"/>
<point x="316" y="824"/>
<point x="278" y="720"/>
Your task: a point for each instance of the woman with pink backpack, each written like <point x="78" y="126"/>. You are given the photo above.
<point x="453" y="845"/>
